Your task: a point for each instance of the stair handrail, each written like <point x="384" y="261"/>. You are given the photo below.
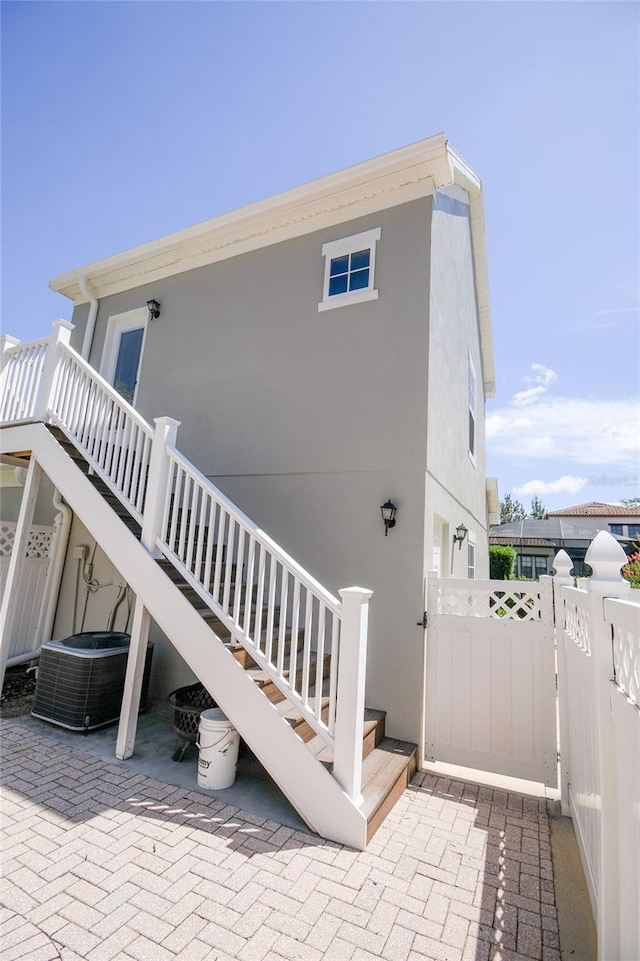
<point x="292" y="565"/>
<point x="200" y="526"/>
<point x="68" y="392"/>
<point x="110" y="433"/>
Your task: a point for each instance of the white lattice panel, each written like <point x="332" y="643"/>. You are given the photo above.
<point x="624" y="619"/>
<point x="576" y="623"/>
<point x="508" y="604"/>
<point x="7" y="535"/>
<point x="39" y="544"/>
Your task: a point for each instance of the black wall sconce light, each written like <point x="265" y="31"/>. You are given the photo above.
<point x="388" y="511"/>
<point x="460" y="534"/>
<point x="154" y="309"/>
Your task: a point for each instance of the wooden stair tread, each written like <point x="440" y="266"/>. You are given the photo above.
<point x="386" y="773"/>
<point x="291" y="714"/>
<point x="372" y="734"/>
<point x="261" y="678"/>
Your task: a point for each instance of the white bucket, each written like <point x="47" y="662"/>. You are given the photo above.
<point x="218" y="742"/>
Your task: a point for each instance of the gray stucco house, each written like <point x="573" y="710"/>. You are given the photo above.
<point x="325" y="351"/>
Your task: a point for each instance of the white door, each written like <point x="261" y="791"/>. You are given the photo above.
<point x="123" y="348"/>
<point x="490" y="677"/>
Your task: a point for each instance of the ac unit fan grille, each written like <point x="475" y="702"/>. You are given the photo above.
<point x="83" y="692"/>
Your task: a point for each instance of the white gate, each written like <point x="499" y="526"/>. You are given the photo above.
<point x="491" y="677"/>
<point x="25" y="639"/>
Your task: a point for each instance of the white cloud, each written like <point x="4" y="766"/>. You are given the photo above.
<point x="618" y="310"/>
<point x="569" y="430"/>
<point x="563" y="485"/>
<point x="539" y="384"/>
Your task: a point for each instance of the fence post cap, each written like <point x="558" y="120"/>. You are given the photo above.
<point x="562" y="564"/>
<point x="63" y="324"/>
<point x="167" y="421"/>
<point x="605" y="556"/>
<point x="352" y="592"/>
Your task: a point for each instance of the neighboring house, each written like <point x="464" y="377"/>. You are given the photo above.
<point x="536" y="543"/>
<point x="325" y="351"/>
<point x="617" y="519"/>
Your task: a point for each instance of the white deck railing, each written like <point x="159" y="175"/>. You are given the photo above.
<point x="22" y="367"/>
<point x="309" y="643"/>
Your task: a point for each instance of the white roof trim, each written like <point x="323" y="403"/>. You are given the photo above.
<point x="386" y="181"/>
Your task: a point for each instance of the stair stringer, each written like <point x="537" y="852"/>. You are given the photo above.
<point x="312" y="791"/>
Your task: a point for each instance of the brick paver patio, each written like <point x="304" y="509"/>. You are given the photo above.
<point x="101" y="862"/>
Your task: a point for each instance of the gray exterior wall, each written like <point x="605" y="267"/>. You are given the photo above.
<point x="310" y="420"/>
<point x="456" y="483"/>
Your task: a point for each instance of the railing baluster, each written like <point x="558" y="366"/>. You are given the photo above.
<point x="204" y="498"/>
<point x="293" y="648"/>
<point x="282" y="627"/>
<point x="231" y="529"/>
<point x="210" y="542"/>
<point x="257" y="626"/>
<point x="184" y="516"/>
<point x="319" y="680"/>
<point x="129" y="456"/>
<point x="175" y="508"/>
<point x="248" y="591"/>
<point x="164" y="530"/>
<point x="219" y="548"/>
<point x="271" y="603"/>
<point x="239" y="575"/>
<point x="306" y="650"/>
<point x="333" y="672"/>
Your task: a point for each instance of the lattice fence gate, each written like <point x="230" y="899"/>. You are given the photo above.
<point x="25" y="638"/>
<point x="491" y="677"/>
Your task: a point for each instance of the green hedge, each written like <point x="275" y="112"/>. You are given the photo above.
<point x="501" y="561"/>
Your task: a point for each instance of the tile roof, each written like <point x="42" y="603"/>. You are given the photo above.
<point x="597" y="509"/>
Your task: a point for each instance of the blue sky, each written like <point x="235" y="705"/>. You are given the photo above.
<point x="123" y="121"/>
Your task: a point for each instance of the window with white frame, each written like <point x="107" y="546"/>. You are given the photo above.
<point x="471" y="559"/>
<point x="472" y="409"/>
<point x="349" y="270"/>
<point x="123" y="349"/>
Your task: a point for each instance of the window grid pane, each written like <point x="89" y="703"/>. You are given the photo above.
<point x="338" y="285"/>
<point x="350" y="272"/>
<point x="339" y="265"/>
<point x="359" y="279"/>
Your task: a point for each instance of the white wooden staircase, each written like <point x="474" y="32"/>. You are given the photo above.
<point x="283" y="658"/>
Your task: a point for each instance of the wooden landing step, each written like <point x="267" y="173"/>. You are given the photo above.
<point x="386" y="774"/>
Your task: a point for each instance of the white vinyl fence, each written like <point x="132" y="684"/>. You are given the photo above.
<point x="491" y="682"/>
<point x="25" y="640"/>
<point x="598" y="636"/>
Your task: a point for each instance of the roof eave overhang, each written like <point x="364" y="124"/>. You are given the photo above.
<point x="386" y="181"/>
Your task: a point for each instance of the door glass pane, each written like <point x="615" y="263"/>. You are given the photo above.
<point x="126" y="373"/>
